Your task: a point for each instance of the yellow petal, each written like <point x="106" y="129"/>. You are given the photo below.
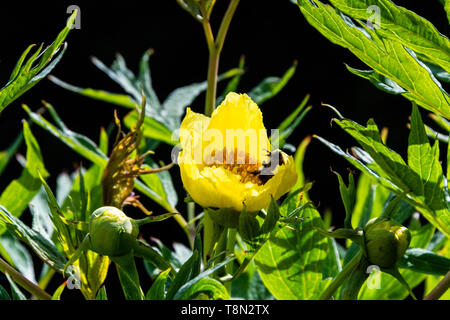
<point x="191" y="133"/>
<point x="240" y="122"/>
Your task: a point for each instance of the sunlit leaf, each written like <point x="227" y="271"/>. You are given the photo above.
<point x="26" y="75"/>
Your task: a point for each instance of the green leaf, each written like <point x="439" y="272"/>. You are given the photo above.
<point x="152" y="256"/>
<point x="88" y="149"/>
<point x="129" y="277"/>
<point x="79" y="143"/>
<point x="232" y="85"/>
<point x="192" y="7"/>
<point x="55" y="216"/>
<point x="423" y="177"/>
<point x="28" y="184"/>
<point x="378" y="80"/>
<point x="439" y="244"/>
<point x="425" y="261"/>
<point x="370" y="199"/>
<point x="161" y="183"/>
<point x="402" y="25"/>
<point x="181" y="292"/>
<point x="183" y="275"/>
<point x="249" y="228"/>
<point x="45" y="249"/>
<point x="6" y="155"/>
<point x="17" y="294"/>
<point x="291" y="262"/>
<point x="271" y="86"/>
<point x="58" y="292"/>
<point x="158" y="289"/>
<point x="348" y="195"/>
<point x="447" y="9"/>
<point x="117" y="99"/>
<point x="298" y="160"/>
<point x="101" y="295"/>
<point x="152" y="128"/>
<point x="17" y="255"/>
<point x="206" y="286"/>
<point x="39" y="209"/>
<point x="413" y="76"/>
<point x="25" y="76"/>
<point x="4" y="294"/>
<point x="360" y="165"/>
<point x="287" y="127"/>
<point x="249" y="286"/>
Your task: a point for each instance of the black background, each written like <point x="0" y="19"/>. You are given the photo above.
<point x="271" y="35"/>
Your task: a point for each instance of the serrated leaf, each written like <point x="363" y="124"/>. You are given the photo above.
<point x="424" y="178"/>
<point x="413" y="76"/>
<point x="25" y="76"/>
<point x="291" y="262"/>
<point x="402" y="25"/>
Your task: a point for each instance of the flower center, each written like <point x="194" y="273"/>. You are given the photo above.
<point x="238" y="162"/>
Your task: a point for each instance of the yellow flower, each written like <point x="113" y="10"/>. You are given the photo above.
<point x="226" y="161"/>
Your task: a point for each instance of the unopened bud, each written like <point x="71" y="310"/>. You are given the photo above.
<point x="112" y="233"/>
<point x="386" y="242"/>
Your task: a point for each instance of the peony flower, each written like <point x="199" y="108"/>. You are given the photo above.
<point x="226" y="160"/>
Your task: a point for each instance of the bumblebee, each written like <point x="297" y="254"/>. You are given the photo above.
<point x="267" y="170"/>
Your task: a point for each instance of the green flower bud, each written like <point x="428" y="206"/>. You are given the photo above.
<point x="112" y="233"/>
<point x="386" y="242"/>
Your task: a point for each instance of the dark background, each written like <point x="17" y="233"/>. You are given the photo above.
<point x="271" y="35"/>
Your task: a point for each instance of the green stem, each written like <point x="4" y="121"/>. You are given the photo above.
<point x="191" y="223"/>
<point x="184" y="225"/>
<point x="215" y="48"/>
<point x="231" y="241"/>
<point x="341" y="277"/>
<point x="213" y="69"/>
<point x="18" y="278"/>
<point x="352" y="287"/>
<point x="440" y="289"/>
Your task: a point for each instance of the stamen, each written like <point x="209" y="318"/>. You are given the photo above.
<point x="237" y="162"/>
